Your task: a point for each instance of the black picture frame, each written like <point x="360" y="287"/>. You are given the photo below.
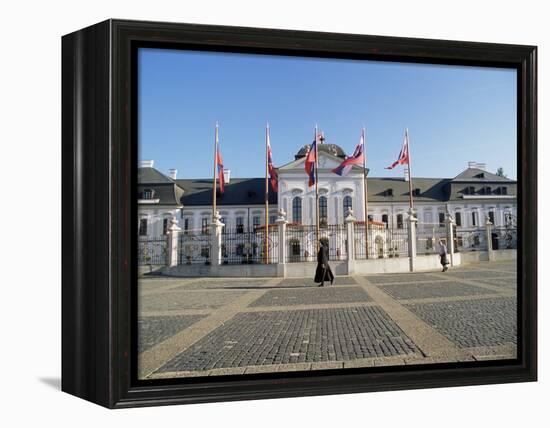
<point x="99" y="165"/>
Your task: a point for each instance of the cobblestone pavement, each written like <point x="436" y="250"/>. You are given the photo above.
<point x="214" y="326"/>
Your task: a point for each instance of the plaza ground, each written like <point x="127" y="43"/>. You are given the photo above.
<point x="218" y="326"/>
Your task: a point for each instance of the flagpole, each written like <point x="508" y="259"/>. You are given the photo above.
<point x="214" y="185"/>
<point x="317" y="188"/>
<point x="266" y="194"/>
<point x="365" y="194"/>
<point x="410" y="171"/>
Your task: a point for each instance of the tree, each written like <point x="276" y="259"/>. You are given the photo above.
<point x="500" y="172"/>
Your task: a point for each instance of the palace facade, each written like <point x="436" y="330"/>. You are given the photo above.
<point x="471" y="197"/>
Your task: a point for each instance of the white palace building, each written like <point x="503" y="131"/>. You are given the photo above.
<point x="472" y="198"/>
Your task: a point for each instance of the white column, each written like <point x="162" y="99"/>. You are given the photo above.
<point x="412" y="239"/>
<point x="489" y="233"/>
<point x="450" y="224"/>
<point x="216" y="240"/>
<point x="350" y="233"/>
<point x="172" y="243"/>
<point x="281" y="223"/>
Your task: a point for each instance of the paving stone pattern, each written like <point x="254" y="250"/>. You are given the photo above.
<point x="479" y="274"/>
<point x="222" y="283"/>
<point x="308" y="282"/>
<point x="312" y="296"/>
<point x="153" y="330"/>
<point x="484" y="322"/>
<point x="399" y="278"/>
<point x="177" y="300"/>
<point x="279" y="337"/>
<point x="503" y="282"/>
<point x="433" y="289"/>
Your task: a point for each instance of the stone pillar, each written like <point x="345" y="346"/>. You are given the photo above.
<point x="489" y="237"/>
<point x="450" y="223"/>
<point x="172" y="243"/>
<point x="412" y="239"/>
<point x="216" y="240"/>
<point x="281" y="223"/>
<point x="350" y="234"/>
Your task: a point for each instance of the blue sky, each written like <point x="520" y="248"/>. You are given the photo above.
<point x="454" y="114"/>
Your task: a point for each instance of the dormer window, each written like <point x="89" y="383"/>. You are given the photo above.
<point x="480" y="175"/>
<point x="416" y="192"/>
<point x="148" y="194"/>
<point x="487" y="190"/>
<point x="389" y="192"/>
<point x="503" y="190"/>
<point x="470" y="190"/>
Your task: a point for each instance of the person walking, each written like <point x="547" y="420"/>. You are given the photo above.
<point x="443" y="255"/>
<point x="323" y="272"/>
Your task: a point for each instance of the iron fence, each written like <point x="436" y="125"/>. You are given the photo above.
<point x="242" y="246"/>
<point x="152" y="250"/>
<point x="504" y="238"/>
<point x="302" y="242"/>
<point x="194" y="248"/>
<point x="470" y="239"/>
<point x="382" y="242"/>
<point x="428" y="236"/>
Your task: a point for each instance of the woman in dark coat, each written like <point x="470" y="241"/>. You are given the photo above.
<point x="323" y="272"/>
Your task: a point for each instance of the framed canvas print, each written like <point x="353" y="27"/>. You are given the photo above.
<point x="253" y="213"/>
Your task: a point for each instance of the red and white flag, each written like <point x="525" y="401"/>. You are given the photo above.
<point x="403" y="154"/>
<point x="273" y="174"/>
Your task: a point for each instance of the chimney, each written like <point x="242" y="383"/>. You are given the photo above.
<point x="477" y="165"/>
<point x="226" y="175"/>
<point x="147" y="163"/>
<point x="173" y="173"/>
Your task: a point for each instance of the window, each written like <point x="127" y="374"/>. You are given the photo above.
<point x="165" y="226"/>
<point x="204" y="225"/>
<point x="297" y="210"/>
<point x="186" y="226"/>
<point x="492" y="217"/>
<point x="347" y="204"/>
<point x="272" y="219"/>
<point x="486" y="190"/>
<point x="389" y="192"/>
<point x="503" y="191"/>
<point x="441" y="219"/>
<point x="474" y="218"/>
<point x="416" y="192"/>
<point x="458" y="219"/>
<point x="470" y="190"/>
<point x="256" y="221"/>
<point x="148" y="194"/>
<point x="385" y="219"/>
<point x="323" y="210"/>
<point x="400" y="221"/>
<point x="143" y="227"/>
<point x="240" y="224"/>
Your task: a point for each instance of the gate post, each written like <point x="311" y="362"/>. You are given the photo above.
<point x="281" y="223"/>
<point x="172" y="244"/>
<point x="489" y="237"/>
<point x="216" y="240"/>
<point x="412" y="239"/>
<point x="350" y="233"/>
<point x="450" y="222"/>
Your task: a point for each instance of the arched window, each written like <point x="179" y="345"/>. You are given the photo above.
<point x="297" y="210"/>
<point x="323" y="210"/>
<point x="347" y="204"/>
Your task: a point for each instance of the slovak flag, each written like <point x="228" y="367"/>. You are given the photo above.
<point x="219" y="163"/>
<point x="311" y="158"/>
<point x="357" y="158"/>
<point x="403" y="154"/>
<point x="273" y="174"/>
